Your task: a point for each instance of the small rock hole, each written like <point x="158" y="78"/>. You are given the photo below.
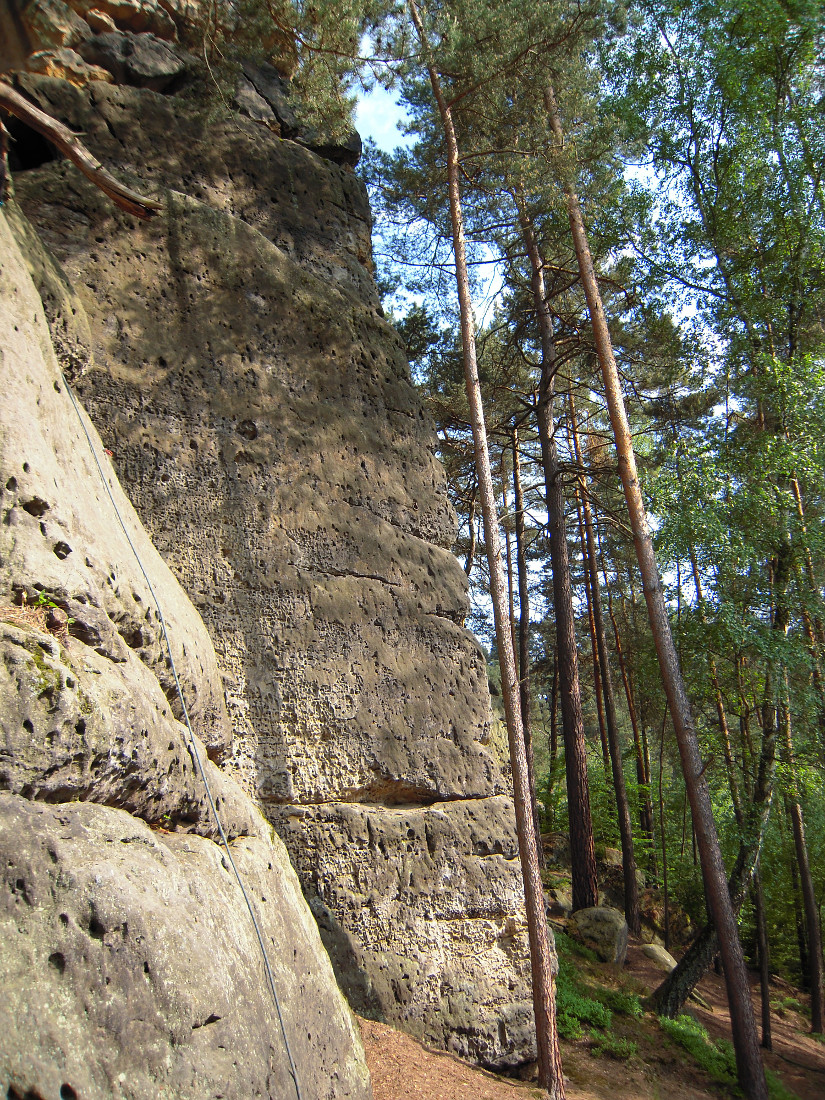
<point x="36" y="506"/>
<point x="58" y="961"/>
<point x="28" y="726"/>
<point x="67" y="1092"/>
<point x="11" y="484"/>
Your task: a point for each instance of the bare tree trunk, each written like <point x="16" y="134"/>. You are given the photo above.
<point x="582" y="849"/>
<point x="750" y="1072"/>
<point x="524" y="635"/>
<point x="764" y="960"/>
<point x="471" y="551"/>
<point x="812" y="928"/>
<point x="642" y="774"/>
<point x="669" y="998"/>
<point x="631" y="886"/>
<point x="663" y="836"/>
<point x="594" y="648"/>
<point x="554" y="728"/>
<point x="550" y="1075"/>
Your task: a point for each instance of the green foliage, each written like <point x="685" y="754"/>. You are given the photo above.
<point x="717" y="1059"/>
<point x="612" y="1046"/>
<point x="575" y="1008"/>
<point x="622" y="1003"/>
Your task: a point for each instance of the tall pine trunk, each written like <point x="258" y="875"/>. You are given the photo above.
<point x="550" y="1076"/>
<point x="582" y="849"/>
<point x="750" y="1072"/>
<point x="524" y="635"/>
<point x="631" y="886"/>
<point x="811" y="909"/>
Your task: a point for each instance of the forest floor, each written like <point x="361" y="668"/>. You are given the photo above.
<point x="660" y="1069"/>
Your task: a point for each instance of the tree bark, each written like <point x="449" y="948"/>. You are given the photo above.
<point x="582" y="848"/>
<point x="524" y="636"/>
<point x="550" y="1076"/>
<point x="750" y="1072"/>
<point x="631" y="886"/>
<point x="812" y="927"/>
<point x="594" y="648"/>
<point x="669" y="998"/>
<point x="764" y="960"/>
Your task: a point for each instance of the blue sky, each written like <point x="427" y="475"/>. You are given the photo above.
<point x="377" y="116"/>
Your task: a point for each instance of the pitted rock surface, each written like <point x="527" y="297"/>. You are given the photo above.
<point x="435" y="937"/>
<point x="130" y="969"/>
<point x="128" y="960"/>
<point x="260" y="411"/>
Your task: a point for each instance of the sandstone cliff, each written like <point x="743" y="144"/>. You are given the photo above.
<point x="259" y="413"/>
<point x="128" y="961"/>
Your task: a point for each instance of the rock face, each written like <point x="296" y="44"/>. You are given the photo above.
<point x="259" y="410"/>
<point x="120" y="943"/>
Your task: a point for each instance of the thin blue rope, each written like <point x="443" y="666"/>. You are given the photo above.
<point x="193" y="747"/>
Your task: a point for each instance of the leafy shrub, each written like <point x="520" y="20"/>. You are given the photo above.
<point x="717" y="1059"/>
<point x="611" y="1046"/>
<point x="623" y="1004"/>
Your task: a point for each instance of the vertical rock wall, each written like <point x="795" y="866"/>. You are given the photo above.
<point x="260" y="411"/>
<point x="129" y="963"/>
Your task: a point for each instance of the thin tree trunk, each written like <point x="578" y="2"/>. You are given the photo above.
<point x="669" y="998"/>
<point x="750" y="1072"/>
<point x="663" y="836"/>
<point x="582" y="848"/>
<point x="524" y="636"/>
<point x="764" y="961"/>
<point x="508" y="554"/>
<point x="642" y="777"/>
<point x="554" y="728"/>
<point x="594" y="648"/>
<point x="799" y="920"/>
<point x="631" y="886"/>
<point x="724" y="730"/>
<point x="550" y="1075"/>
<point x="812" y="929"/>
<point x="471" y="551"/>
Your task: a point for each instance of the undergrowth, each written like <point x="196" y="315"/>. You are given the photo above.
<point x="717" y="1058"/>
<point x="581" y="1005"/>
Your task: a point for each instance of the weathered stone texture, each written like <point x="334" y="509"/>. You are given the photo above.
<point x="260" y="411"/>
<point x="130" y="968"/>
<point x="434" y="936"/>
<point x="128" y="961"/>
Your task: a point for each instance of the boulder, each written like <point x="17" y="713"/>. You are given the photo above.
<point x="52" y="24"/>
<point x="660" y="955"/>
<point x="66" y="64"/>
<point x="138" y="59"/>
<point x="130" y="966"/>
<point x="602" y="929"/>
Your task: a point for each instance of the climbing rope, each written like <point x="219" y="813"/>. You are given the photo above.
<point x="193" y="747"/>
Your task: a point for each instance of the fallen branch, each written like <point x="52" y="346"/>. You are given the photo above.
<point x="70" y="146"/>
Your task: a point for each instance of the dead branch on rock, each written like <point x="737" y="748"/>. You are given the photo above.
<point x="70" y="146"/>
